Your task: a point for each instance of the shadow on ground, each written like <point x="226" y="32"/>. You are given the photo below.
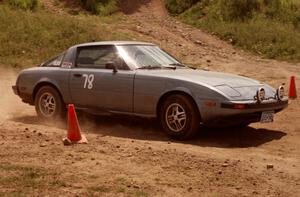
<point x="149" y="129"/>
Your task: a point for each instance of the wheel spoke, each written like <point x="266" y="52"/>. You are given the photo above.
<point x="51" y="106"/>
<point x="170" y="118"/>
<point x="52" y="101"/>
<point x="49" y="110"/>
<point x="182" y="117"/>
<point x="177" y="124"/>
<point x="174" y="110"/>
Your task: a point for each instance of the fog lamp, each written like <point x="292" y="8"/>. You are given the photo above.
<point x="260" y="94"/>
<point x="280" y="93"/>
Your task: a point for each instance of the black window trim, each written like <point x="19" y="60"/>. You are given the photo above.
<point x="95" y="67"/>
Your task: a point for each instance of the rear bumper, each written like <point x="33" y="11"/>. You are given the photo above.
<point x="16" y="90"/>
<point x="26" y="98"/>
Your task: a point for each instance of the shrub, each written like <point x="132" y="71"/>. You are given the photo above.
<point x="267" y="27"/>
<point x="237" y="9"/>
<point x="100" y="7"/>
<point x="23" y="4"/>
<point x="179" y="6"/>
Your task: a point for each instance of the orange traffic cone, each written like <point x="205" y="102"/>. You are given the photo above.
<point x="292" y="91"/>
<point x="74" y="135"/>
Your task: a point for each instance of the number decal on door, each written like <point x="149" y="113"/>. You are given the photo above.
<point x="88" y="82"/>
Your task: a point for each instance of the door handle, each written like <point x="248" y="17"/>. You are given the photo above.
<point x="77" y="75"/>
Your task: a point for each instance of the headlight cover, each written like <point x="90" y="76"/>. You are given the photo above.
<point x="229" y="91"/>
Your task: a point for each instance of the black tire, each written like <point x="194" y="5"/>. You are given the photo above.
<point x="175" y="125"/>
<point x="56" y="107"/>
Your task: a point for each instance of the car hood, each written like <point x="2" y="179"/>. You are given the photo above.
<point x="234" y="86"/>
<point x="204" y="77"/>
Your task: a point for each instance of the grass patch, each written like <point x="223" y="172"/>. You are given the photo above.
<point x="138" y="193"/>
<point x="100" y="189"/>
<point x="23" y="4"/>
<point x="100" y="7"/>
<point x="268" y="28"/>
<point x="24" y="180"/>
<point x="29" y="38"/>
<point x="179" y="6"/>
<point x="121" y="180"/>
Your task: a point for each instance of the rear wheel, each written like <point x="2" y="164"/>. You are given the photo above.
<point x="48" y="103"/>
<point x="179" y="117"/>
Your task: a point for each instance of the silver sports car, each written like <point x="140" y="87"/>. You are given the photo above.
<point x="137" y="78"/>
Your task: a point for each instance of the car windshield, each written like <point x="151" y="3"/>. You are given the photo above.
<point x="147" y="56"/>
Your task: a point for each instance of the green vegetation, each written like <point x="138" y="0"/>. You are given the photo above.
<point x="24" y="180"/>
<point x="179" y="6"/>
<point x="29" y="38"/>
<point x="267" y="27"/>
<point x="100" y="189"/>
<point x="100" y="7"/>
<point x="23" y="4"/>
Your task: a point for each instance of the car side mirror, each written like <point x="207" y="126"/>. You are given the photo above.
<point x="111" y="65"/>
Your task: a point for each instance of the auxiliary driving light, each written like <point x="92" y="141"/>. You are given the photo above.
<point x="280" y="93"/>
<point x="260" y="94"/>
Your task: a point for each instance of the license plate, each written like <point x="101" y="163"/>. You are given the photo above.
<point x="267" y="116"/>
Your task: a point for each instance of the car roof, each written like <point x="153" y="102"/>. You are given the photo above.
<point x="113" y="43"/>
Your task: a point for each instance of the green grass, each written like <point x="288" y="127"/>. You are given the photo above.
<point x="178" y="6"/>
<point x="24" y="180"/>
<point x="29" y="38"/>
<point x="100" y="7"/>
<point x="100" y="189"/>
<point x="268" y="28"/>
<point x="23" y="4"/>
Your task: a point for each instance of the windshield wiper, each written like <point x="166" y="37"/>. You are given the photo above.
<point x="182" y="65"/>
<point x="177" y="64"/>
<point x="150" y="67"/>
<point x="156" y="67"/>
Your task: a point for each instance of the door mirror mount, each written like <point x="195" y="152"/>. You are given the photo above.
<point x="111" y="65"/>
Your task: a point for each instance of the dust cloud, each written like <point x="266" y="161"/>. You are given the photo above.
<point x="11" y="105"/>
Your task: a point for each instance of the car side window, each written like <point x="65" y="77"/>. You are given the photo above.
<point x="98" y="57"/>
<point x="54" y="62"/>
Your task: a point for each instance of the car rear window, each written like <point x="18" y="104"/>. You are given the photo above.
<point x="54" y="62"/>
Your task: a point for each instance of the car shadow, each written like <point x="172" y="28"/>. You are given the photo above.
<point x="149" y="129"/>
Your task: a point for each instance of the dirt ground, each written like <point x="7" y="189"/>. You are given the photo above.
<point x="133" y="157"/>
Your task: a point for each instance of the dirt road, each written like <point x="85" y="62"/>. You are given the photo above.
<point x="126" y="157"/>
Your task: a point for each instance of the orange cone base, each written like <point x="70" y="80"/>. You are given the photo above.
<point x="67" y="141"/>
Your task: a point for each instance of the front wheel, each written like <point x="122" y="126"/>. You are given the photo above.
<point x="48" y="103"/>
<point x="179" y="117"/>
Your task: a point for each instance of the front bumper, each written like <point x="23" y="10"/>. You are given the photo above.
<point x="239" y="112"/>
<point x="275" y="105"/>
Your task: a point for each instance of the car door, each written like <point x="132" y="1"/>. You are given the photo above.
<point x="94" y="85"/>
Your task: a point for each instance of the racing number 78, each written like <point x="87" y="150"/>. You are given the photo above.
<point x="88" y="81"/>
